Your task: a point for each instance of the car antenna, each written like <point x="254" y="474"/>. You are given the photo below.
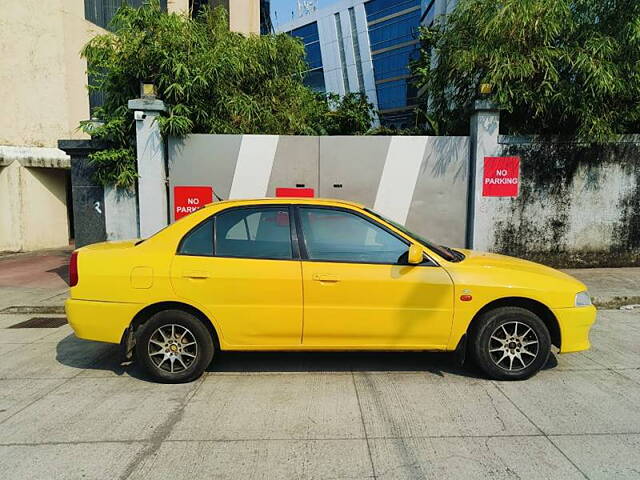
<point x="218" y="197"/>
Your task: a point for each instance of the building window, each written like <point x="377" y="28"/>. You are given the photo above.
<point x="394" y="63"/>
<point x="356" y="48"/>
<point x="396" y="94"/>
<point x="266" y="27"/>
<point x="377" y="9"/>
<point x="343" y="63"/>
<point x="429" y="14"/>
<point x="96" y="97"/>
<point x="393" y="36"/>
<point x="396" y="30"/>
<point x="101" y="12"/>
<point x="314" y="77"/>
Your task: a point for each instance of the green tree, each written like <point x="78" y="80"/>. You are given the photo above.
<point x="211" y="80"/>
<point x="350" y="114"/>
<point x="555" y="66"/>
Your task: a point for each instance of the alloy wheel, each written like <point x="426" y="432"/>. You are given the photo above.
<point x="172" y="348"/>
<point x="513" y="346"/>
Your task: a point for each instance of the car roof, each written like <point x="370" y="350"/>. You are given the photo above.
<point x="286" y="200"/>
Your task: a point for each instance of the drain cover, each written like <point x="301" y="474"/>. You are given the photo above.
<point x="35" y="309"/>
<point x="41" y="322"/>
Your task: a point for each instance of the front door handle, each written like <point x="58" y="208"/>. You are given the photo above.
<point x="195" y="274"/>
<point x="325" y="277"/>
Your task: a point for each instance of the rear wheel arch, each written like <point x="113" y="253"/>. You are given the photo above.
<point x="534" y="306"/>
<point x="147" y="312"/>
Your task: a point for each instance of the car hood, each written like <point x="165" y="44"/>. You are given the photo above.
<point x="494" y="260"/>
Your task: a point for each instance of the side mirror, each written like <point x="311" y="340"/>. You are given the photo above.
<point x="416" y="254"/>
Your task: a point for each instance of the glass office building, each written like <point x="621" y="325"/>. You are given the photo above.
<point x="364" y="46"/>
<point x="393" y="33"/>
<point x="308" y="34"/>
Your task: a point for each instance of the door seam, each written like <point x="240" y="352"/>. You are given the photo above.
<point x="302" y="287"/>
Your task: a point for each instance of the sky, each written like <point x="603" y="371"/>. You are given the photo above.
<point x="283" y="9"/>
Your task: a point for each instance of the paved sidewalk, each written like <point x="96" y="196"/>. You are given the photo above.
<point x="38" y="278"/>
<point x="610" y="287"/>
<point x="68" y="410"/>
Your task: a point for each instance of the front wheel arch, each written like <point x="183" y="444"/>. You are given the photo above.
<point x="534" y="306"/>
<point x="147" y="312"/>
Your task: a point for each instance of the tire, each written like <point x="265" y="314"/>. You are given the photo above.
<point x="510" y="343"/>
<point x="174" y="346"/>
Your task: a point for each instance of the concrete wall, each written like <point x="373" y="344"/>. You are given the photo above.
<point x="33" y="207"/>
<point x="100" y="213"/>
<point x="244" y="16"/>
<point x="419" y="181"/>
<point x="43" y="78"/>
<point x="43" y="97"/>
<point x="578" y="205"/>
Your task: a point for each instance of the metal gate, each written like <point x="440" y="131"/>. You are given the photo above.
<point x="418" y="181"/>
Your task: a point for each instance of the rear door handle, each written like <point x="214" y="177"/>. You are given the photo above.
<point x="195" y="274"/>
<point x="325" y="277"/>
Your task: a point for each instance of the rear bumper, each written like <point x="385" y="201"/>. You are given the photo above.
<point x="99" y="321"/>
<point x="575" y="325"/>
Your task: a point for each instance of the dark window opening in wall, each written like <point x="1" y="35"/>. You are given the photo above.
<point x="266" y="27"/>
<point x="96" y="97"/>
<point x="101" y="12"/>
<point x="196" y="6"/>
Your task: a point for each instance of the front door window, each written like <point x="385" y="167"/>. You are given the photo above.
<point x="340" y="236"/>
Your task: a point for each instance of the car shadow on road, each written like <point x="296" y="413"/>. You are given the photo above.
<point x="437" y="364"/>
<point x="62" y="271"/>
<point x="101" y="357"/>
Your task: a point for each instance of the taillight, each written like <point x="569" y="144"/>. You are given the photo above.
<point x="73" y="269"/>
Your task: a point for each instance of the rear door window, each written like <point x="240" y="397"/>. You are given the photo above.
<point x="260" y="232"/>
<point x="199" y="241"/>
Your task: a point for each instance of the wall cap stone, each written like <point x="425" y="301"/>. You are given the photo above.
<point x="41" y="157"/>
<point x="485" y="106"/>
<point x="146" y="104"/>
<point x="81" y="147"/>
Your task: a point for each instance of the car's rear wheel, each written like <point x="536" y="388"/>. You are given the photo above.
<point x="174" y="346"/>
<point x="510" y="343"/>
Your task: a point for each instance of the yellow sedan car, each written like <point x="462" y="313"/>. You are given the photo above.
<point x="313" y="274"/>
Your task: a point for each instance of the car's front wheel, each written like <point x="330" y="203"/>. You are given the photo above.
<point x="174" y="346"/>
<point x="510" y="343"/>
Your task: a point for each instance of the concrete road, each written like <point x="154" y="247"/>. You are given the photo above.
<point x="67" y="410"/>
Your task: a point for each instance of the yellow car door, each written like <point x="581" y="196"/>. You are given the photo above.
<point x="241" y="265"/>
<point x="358" y="291"/>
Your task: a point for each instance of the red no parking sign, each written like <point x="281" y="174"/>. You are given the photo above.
<point x="501" y="177"/>
<point x="188" y="199"/>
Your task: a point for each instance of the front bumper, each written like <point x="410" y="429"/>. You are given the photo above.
<point x="575" y="325"/>
<point x="99" y="321"/>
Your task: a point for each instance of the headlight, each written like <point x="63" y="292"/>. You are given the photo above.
<point x="583" y="299"/>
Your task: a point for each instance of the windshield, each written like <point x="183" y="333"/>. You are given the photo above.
<point x="445" y="252"/>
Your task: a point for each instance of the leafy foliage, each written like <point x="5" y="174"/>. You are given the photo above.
<point x="555" y="66"/>
<point x="348" y="115"/>
<point x="211" y="80"/>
